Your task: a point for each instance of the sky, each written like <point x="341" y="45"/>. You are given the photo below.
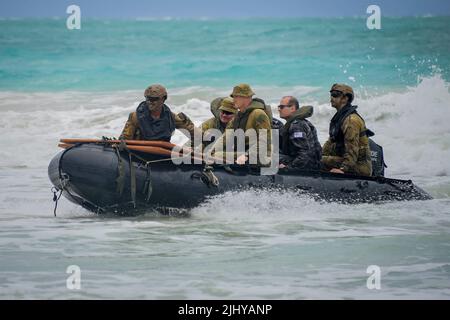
<point x="220" y="8"/>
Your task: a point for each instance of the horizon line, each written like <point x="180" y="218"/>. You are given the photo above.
<point x="169" y="18"/>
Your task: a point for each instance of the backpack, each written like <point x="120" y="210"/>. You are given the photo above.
<point x="376" y="156"/>
<point x="267" y="108"/>
<point x="215" y="105"/>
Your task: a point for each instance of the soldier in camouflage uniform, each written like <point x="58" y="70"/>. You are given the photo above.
<point x="153" y="120"/>
<point x="299" y="146"/>
<point x="223" y="111"/>
<point x="347" y="149"/>
<point x="251" y="115"/>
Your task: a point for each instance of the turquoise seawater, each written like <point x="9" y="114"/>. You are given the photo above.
<point x="43" y="55"/>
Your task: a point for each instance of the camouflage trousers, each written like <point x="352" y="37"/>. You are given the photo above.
<point x="330" y="162"/>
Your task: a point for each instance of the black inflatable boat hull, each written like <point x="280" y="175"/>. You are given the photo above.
<point x="88" y="175"/>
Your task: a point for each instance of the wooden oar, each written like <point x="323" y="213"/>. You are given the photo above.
<point x="145" y="149"/>
<point x="65" y="145"/>
<point x="131" y="143"/>
<point x="154" y="150"/>
<point x="163" y="144"/>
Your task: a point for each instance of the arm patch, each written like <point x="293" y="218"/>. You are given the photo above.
<point x="298" y="135"/>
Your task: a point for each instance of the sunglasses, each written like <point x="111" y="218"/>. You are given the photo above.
<point x="152" y="99"/>
<point x="227" y="113"/>
<point x="282" y="106"/>
<point x="335" y="94"/>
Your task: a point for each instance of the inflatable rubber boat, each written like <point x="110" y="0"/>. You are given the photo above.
<point x="122" y="177"/>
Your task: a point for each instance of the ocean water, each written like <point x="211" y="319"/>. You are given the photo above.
<point x="58" y="83"/>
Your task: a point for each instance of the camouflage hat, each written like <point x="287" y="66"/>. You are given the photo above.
<point x="345" y="89"/>
<point x="242" y="90"/>
<point x="155" y="90"/>
<point x="227" y="104"/>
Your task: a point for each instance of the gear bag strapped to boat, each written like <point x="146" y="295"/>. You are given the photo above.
<point x="376" y="155"/>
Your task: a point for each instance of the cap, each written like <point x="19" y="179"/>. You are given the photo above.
<point x="227" y="104"/>
<point x="155" y="90"/>
<point x="345" y="89"/>
<point x="242" y="90"/>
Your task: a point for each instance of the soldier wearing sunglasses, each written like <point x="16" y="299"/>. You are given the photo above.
<point x="153" y="119"/>
<point x="224" y="111"/>
<point x="347" y="149"/>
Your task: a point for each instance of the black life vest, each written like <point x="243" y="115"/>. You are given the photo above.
<point x="155" y="129"/>
<point x="301" y="114"/>
<point x="335" y="131"/>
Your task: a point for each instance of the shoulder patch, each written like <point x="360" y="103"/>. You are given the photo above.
<point x="298" y="134"/>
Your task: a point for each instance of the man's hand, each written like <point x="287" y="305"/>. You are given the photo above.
<point x="335" y="170"/>
<point x="187" y="149"/>
<point x="281" y="166"/>
<point x="241" y="159"/>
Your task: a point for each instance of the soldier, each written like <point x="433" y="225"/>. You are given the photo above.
<point x="347" y="149"/>
<point x="223" y="111"/>
<point x="153" y="120"/>
<point x="252" y="114"/>
<point x="299" y="146"/>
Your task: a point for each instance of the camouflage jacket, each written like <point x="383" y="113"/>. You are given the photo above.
<point x="354" y="156"/>
<point x="254" y="117"/>
<point x="211" y="123"/>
